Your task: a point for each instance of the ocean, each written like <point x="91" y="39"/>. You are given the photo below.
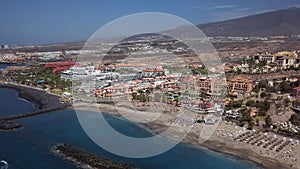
<point x="30" y="147"/>
<point x="11" y="103"/>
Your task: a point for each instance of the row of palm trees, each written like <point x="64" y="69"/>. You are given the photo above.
<point x="40" y="76"/>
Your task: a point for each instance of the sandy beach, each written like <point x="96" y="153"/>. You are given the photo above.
<point x="157" y="119"/>
<point x="226" y="139"/>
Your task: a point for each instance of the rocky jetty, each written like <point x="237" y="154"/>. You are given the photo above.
<point x="88" y="160"/>
<point x="9" y="125"/>
<point x="45" y="101"/>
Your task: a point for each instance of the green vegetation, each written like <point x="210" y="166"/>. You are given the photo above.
<point x="296" y="103"/>
<point x="295" y="68"/>
<point x="283" y="87"/>
<point x="234" y="104"/>
<point x="262" y="63"/>
<point x="262" y="106"/>
<point x="141" y="97"/>
<point x="182" y="70"/>
<point x="295" y="119"/>
<point x="268" y="121"/>
<point x="246" y="118"/>
<point x="42" y="77"/>
<point x="265" y="94"/>
<point x="200" y="70"/>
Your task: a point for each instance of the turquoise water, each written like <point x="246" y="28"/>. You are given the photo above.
<point x="30" y="147"/>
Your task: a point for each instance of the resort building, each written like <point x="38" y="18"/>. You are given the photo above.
<point x="150" y="72"/>
<point x="240" y="84"/>
<point x="296" y="92"/>
<point x="204" y="82"/>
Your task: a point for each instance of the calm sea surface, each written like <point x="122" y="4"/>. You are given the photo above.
<point x="11" y="104"/>
<point x="29" y="148"/>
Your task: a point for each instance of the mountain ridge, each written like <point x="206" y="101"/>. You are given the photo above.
<point x="274" y="23"/>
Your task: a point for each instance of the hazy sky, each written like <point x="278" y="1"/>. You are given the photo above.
<point x="36" y="21"/>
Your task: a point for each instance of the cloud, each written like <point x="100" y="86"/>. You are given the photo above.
<point x="222" y="7"/>
<point x="193" y="7"/>
<point x="237" y="13"/>
<point x="228" y="15"/>
<point x="264" y="11"/>
<point x="209" y="7"/>
<point x="242" y="9"/>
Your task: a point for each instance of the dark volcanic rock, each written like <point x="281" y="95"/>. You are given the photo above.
<point x="88" y="159"/>
<point x="8" y="125"/>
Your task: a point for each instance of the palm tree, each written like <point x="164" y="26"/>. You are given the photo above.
<point x="268" y="121"/>
<point x="250" y="125"/>
<point x="257" y="122"/>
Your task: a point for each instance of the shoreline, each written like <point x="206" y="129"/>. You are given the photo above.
<point x="214" y="145"/>
<point x="40" y="97"/>
<point x="35" y="106"/>
<point x="42" y="101"/>
<point x="243" y="155"/>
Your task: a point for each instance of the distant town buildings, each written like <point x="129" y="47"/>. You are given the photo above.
<point x="50" y="56"/>
<point x="5" y="46"/>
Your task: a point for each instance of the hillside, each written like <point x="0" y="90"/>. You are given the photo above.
<point x="282" y="22"/>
